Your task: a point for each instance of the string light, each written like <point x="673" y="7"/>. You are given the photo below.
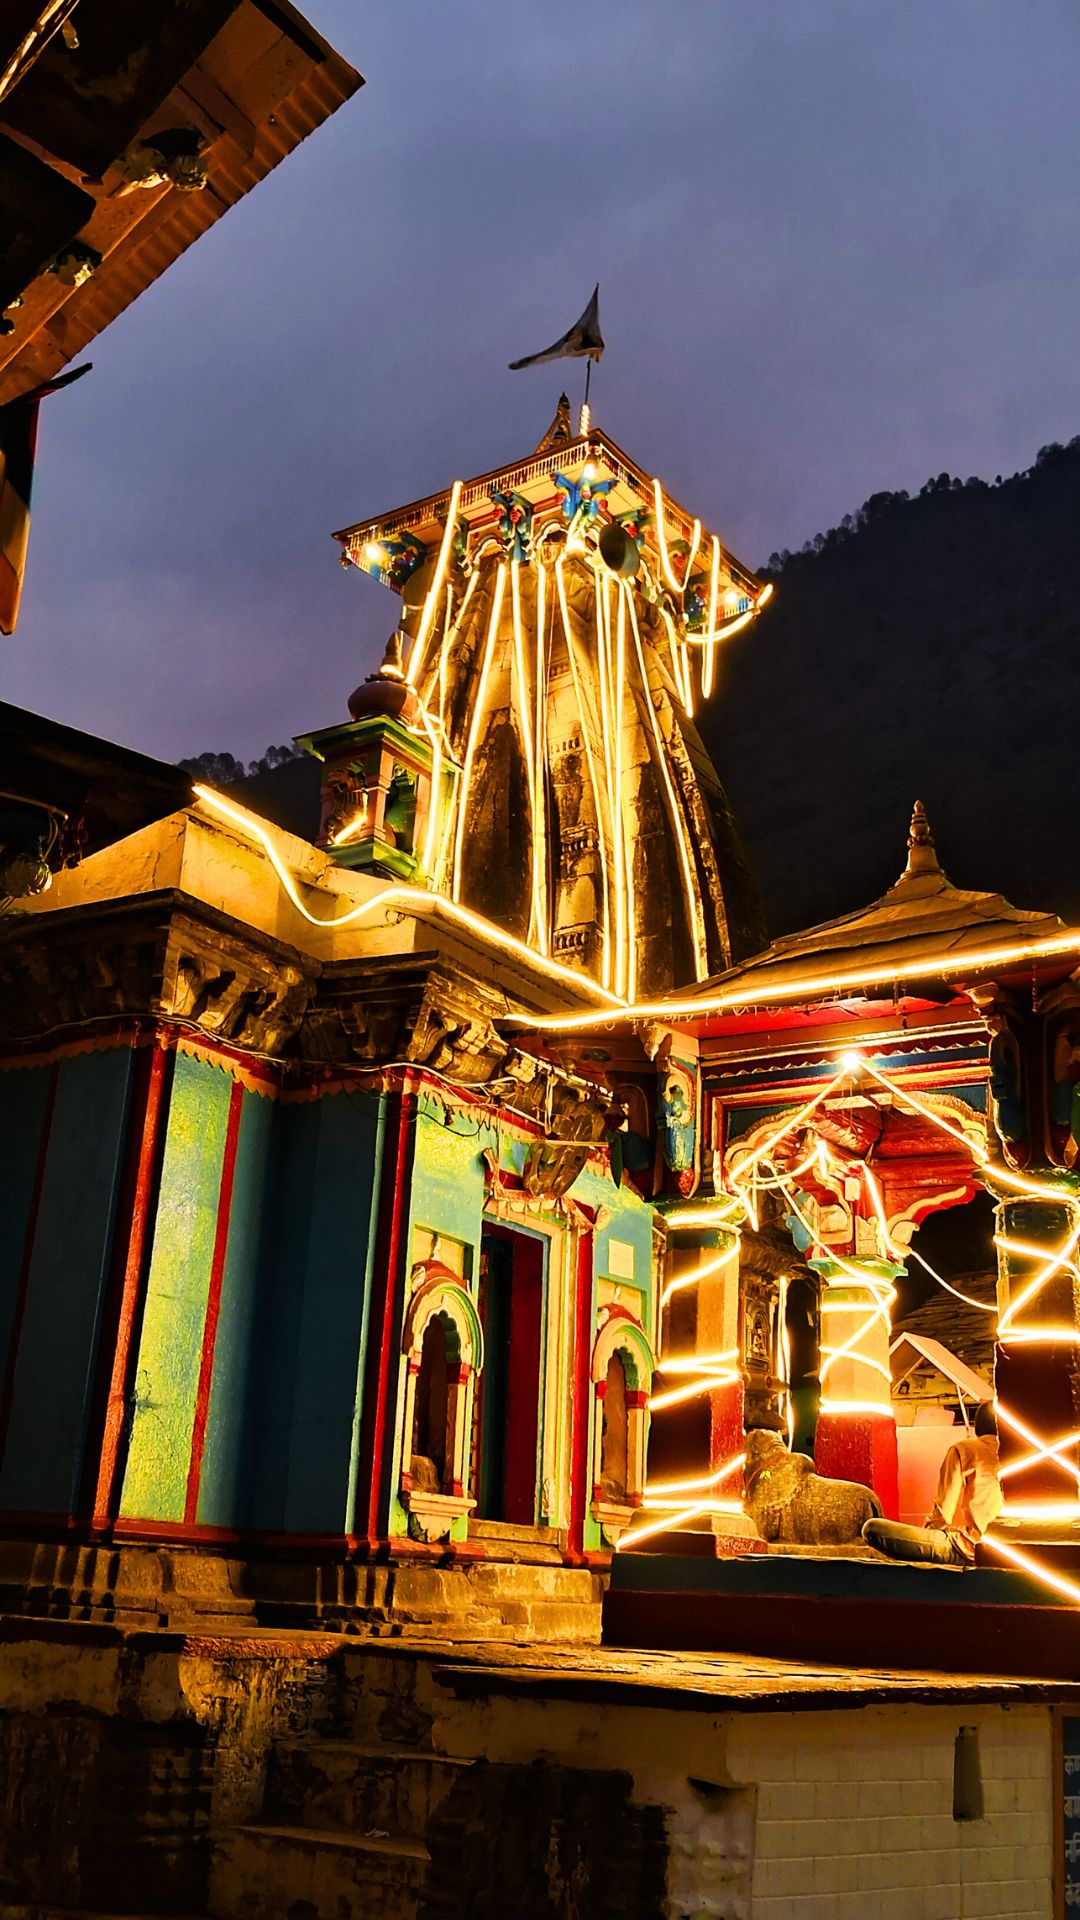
<point x="624" y="961"/>
<point x="672" y="1521"/>
<point x="474" y="729"/>
<point x="708" y="660"/>
<point x="784" y="1343"/>
<point x="1050" y="1451"/>
<point x="680" y="664"/>
<point x="586" y="732"/>
<point x="538" y="924"/>
<point x="694" y="907"/>
<point x="1024" y="1560"/>
<point x="431" y="602"/>
<point x="937" y="965"/>
<point x="658" y="1490"/>
<point x="417" y="900"/>
<point x="539" y="843"/>
<point x="699" y="1273"/>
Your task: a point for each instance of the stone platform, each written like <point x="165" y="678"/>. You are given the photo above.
<point x="844" y="1611"/>
<point x="274" y="1776"/>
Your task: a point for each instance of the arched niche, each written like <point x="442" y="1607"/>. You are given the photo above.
<point x="444" y="1351"/>
<point x="622" y="1367"/>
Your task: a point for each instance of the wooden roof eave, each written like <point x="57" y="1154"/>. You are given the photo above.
<point x="140" y="234"/>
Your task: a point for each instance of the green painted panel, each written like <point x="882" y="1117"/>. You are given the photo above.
<point x="448" y="1180"/>
<point x="223" y="1486"/>
<point x="170" y="1349"/>
<point x="630" y="1222"/>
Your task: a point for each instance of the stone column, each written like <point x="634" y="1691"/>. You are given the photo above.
<point x="1037" y="1374"/>
<point x="856" y="1429"/>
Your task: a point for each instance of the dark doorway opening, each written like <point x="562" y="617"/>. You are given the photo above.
<point x="508" y="1402"/>
<point x="428" y="1464"/>
<point x="802" y="1318"/>
<point x="615" y="1434"/>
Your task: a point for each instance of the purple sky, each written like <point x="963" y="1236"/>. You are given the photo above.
<point x="839" y="250"/>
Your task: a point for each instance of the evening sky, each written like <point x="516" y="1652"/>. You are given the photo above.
<point x="838" y="243"/>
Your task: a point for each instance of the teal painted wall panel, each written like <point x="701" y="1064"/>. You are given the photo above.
<point x="23" y="1094"/>
<point x="308" y="1360"/>
<point x="67" y="1281"/>
<point x="170" y="1346"/>
<point x="224" y="1489"/>
<point x="328" y="1351"/>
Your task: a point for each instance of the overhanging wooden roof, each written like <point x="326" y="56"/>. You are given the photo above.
<point x="251" y="77"/>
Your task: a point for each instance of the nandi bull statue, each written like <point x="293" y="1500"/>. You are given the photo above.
<point x="789" y="1502"/>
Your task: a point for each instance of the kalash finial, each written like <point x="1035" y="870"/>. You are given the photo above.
<point x="392" y="665"/>
<point x="922" y="854"/>
<point x="387" y="691"/>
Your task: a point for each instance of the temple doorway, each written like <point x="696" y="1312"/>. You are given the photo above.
<point x="507" y="1417"/>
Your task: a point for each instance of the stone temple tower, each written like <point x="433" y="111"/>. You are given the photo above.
<point x="532" y="725"/>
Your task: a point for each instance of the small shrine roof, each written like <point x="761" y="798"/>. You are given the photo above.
<point x="532" y="477"/>
<point x="905" y="936"/>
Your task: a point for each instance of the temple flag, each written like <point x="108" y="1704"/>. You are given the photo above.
<point x="18" y="439"/>
<point x="584" y="340"/>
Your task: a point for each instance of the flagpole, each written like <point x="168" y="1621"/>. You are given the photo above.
<point x="585" y="421"/>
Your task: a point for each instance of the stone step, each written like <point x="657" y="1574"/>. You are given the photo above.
<point x="345" y="1785"/>
<point x="35" y="1911"/>
<point x="277" y="1872"/>
<point x="486" y="1598"/>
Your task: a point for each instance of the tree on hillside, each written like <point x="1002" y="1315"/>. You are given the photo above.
<point x="224" y="769"/>
<point x="927" y="648"/>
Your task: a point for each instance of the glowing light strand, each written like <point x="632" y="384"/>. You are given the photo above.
<point x="590" y="762"/>
<point x="474" y="729"/>
<point x="695" y="911"/>
<point x="416" y="656"/>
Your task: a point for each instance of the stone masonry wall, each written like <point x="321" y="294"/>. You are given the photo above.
<point x="854" y="1810"/>
<point x="815" y="1815"/>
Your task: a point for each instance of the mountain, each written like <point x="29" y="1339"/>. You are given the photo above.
<point x="928" y="648"/>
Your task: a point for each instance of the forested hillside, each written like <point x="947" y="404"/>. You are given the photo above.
<point x="929" y="648"/>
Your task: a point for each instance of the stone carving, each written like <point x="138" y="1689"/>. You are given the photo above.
<point x="789" y="1502"/>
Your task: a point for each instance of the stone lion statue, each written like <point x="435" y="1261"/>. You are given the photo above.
<point x="789" y="1502"/>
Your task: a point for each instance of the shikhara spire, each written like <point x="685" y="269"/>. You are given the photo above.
<point x="563" y="617"/>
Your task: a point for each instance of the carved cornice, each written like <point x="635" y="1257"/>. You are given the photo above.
<point x="167" y="957"/>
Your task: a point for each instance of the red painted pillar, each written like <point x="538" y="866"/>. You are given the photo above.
<point x="580" y="1464"/>
<point x="377" y="1413"/>
<point x="134" y="1237"/>
<point x="856" y="1429"/>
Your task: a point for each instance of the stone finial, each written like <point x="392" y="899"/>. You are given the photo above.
<point x="922" y="854"/>
<point x="387" y="691"/>
<point x="392" y="665"/>
<point x="560" y="430"/>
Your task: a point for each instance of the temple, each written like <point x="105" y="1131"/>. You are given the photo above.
<point x="561" y="617"/>
<point x="456" y="1219"/>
